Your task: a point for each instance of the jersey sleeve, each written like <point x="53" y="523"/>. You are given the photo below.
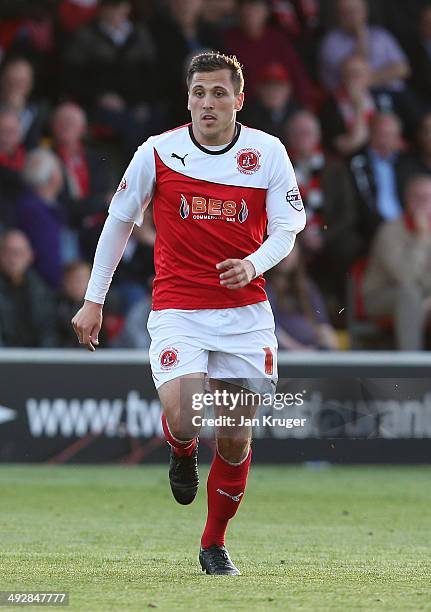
<point x="136" y="188"/>
<point x="284" y="206"/>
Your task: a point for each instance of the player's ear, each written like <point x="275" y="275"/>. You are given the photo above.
<point x="188" y="100"/>
<point x="239" y="101"/>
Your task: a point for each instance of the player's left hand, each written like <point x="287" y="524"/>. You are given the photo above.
<point x="239" y="273"/>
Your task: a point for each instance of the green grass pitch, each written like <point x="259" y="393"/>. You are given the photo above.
<point x="341" y="538"/>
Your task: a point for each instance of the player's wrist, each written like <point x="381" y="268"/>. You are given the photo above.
<point x="95" y="305"/>
<point x="251" y="267"/>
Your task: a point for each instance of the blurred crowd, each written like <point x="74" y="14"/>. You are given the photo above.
<point x="346" y="86"/>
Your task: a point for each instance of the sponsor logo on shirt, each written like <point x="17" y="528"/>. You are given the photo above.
<point x="248" y="161"/>
<point x="184" y="208"/>
<point x="293" y="197"/>
<point x="168" y="358"/>
<point x="211" y="209"/>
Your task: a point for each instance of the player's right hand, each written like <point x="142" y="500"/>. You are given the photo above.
<point x="87" y="324"/>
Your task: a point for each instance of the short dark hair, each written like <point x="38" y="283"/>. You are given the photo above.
<point x="213" y="60"/>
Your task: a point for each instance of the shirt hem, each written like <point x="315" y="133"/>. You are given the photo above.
<point x="209" y="306"/>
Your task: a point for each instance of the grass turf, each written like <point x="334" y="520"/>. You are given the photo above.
<point x="342" y="538"/>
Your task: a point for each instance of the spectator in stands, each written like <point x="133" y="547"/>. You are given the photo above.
<point x="389" y="65"/>
<point x="258" y="44"/>
<point x="75" y="281"/>
<point x="88" y="181"/>
<point x="12" y="157"/>
<point x="16" y="85"/>
<point x="274" y="102"/>
<point x="179" y="33"/>
<point x="12" y="152"/>
<point x="71" y="295"/>
<point x="110" y="67"/>
<point x="299" y="17"/>
<point x="111" y="61"/>
<point x="43" y="218"/>
<point x="299" y="310"/>
<point x="134" y="333"/>
<point x="218" y="13"/>
<point x="27" y="30"/>
<point x="397" y="282"/>
<point x="378" y="174"/>
<point x="329" y="241"/>
<point x="27" y="308"/>
<point x="347" y="114"/>
<point x="302" y="21"/>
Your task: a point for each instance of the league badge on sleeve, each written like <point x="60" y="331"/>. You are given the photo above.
<point x="122" y="186"/>
<point x="293" y="197"/>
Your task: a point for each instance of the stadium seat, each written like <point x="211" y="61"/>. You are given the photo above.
<point x="363" y="330"/>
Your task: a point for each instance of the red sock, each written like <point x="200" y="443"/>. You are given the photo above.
<point x="180" y="448"/>
<point x="225" y="489"/>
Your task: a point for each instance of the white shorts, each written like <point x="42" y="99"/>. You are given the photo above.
<point x="232" y="344"/>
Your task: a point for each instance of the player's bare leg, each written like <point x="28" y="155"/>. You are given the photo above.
<point x="226" y="482"/>
<point x="176" y="399"/>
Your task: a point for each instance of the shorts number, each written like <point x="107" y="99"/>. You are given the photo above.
<point x="269" y="361"/>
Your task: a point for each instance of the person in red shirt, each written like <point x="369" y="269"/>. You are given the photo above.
<point x="216" y="186"/>
<point x="258" y="44"/>
<point x="274" y="103"/>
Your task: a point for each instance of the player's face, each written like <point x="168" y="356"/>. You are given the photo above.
<point x="213" y="105"/>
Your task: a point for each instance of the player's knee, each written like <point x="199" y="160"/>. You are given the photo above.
<point x="179" y="430"/>
<point x="233" y="450"/>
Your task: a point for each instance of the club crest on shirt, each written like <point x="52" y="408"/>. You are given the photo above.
<point x="168" y="358"/>
<point x="248" y="161"/>
<point x="293" y="197"/>
<point x="122" y="186"/>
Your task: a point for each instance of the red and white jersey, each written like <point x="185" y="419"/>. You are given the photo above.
<point x="209" y="205"/>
